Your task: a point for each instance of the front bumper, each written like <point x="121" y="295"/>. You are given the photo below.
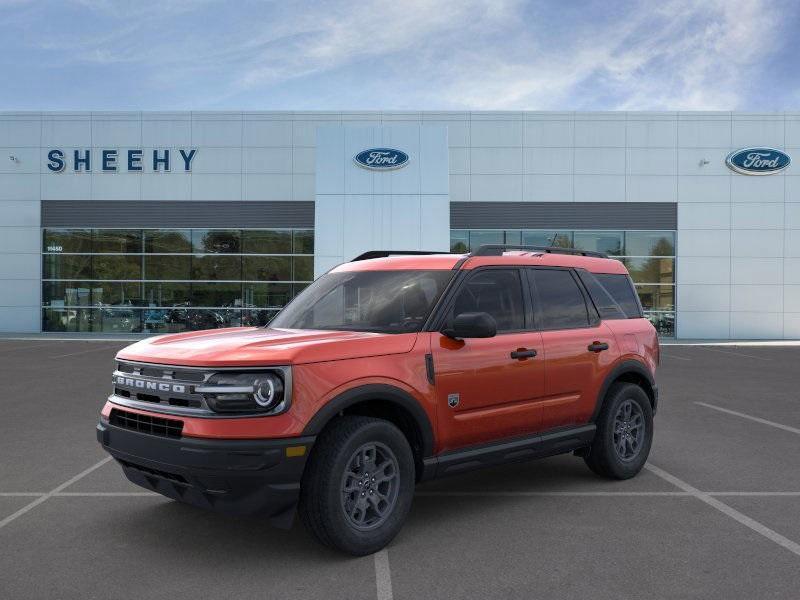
<point x="241" y="477"/>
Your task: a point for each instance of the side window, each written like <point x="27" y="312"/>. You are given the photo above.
<point x="621" y="289"/>
<point x="497" y="292"/>
<point x="605" y="304"/>
<point x="560" y="299"/>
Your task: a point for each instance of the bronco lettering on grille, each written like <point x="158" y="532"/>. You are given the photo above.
<point x="144" y="384"/>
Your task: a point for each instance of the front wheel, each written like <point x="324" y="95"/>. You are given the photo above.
<point x="357" y="488"/>
<point x="624" y="433"/>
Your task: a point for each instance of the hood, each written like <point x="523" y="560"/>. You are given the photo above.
<point x="256" y="346"/>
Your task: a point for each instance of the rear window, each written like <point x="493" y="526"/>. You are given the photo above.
<point x="622" y="291"/>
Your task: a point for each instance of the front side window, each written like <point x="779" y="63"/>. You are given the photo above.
<point x="497" y="292"/>
<point x="561" y="301"/>
<point x="377" y="301"/>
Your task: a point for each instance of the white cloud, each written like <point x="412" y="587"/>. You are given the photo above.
<point x="473" y="54"/>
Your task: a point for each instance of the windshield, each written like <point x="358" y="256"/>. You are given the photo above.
<point x="379" y="301"/>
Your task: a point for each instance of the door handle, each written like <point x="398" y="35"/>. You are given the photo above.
<point x="523" y="353"/>
<point x="597" y="347"/>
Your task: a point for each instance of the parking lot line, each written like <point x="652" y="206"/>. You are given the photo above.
<point x="18" y="348"/>
<point x="383" y="575"/>
<point x="759" y="528"/>
<point x="751" y="418"/>
<point x="546" y="494"/>
<point x="105" y="494"/>
<point x="43" y="498"/>
<point x="734" y="353"/>
<point x="84" y="351"/>
<point x="666" y="355"/>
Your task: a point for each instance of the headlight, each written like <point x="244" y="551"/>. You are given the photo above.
<point x="231" y="392"/>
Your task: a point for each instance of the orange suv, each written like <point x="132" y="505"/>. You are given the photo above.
<point x="388" y="370"/>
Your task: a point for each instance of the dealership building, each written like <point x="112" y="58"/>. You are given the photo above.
<point x="118" y="222"/>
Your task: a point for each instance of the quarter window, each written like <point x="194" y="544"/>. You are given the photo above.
<point x="561" y="301"/>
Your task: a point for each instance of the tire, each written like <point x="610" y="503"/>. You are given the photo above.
<point x="612" y="454"/>
<point x="341" y="506"/>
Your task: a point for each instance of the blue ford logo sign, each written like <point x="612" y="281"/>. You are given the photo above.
<point x="758" y="161"/>
<point x="381" y="159"/>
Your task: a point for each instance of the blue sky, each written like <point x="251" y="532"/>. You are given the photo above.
<point x="385" y="54"/>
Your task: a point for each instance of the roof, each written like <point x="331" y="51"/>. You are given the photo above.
<point x="510" y="258"/>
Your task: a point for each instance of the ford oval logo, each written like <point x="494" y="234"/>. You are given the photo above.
<point x="758" y="161"/>
<point x="381" y="159"/>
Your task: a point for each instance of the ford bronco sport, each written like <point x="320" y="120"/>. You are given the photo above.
<point x="389" y="370"/>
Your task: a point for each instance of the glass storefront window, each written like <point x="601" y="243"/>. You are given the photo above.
<point x="67" y="266"/>
<point x="609" y="242"/>
<point x="228" y="241"/>
<point x="159" y="266"/>
<point x="267" y="268"/>
<point x="267" y="242"/>
<point x="216" y="267"/>
<point x="159" y="241"/>
<point x="651" y="270"/>
<point x="657" y="297"/>
<point x="559" y="239"/>
<point x="170" y="280"/>
<point x="479" y="238"/>
<point x="124" y="241"/>
<point x="117" y="266"/>
<point x="303" y="241"/>
<point x="649" y="243"/>
<point x="67" y="240"/>
<point x="459" y="241"/>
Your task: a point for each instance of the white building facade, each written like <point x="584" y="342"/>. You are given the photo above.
<point x="157" y="222"/>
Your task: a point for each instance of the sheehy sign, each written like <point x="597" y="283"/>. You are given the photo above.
<point x="111" y="161"/>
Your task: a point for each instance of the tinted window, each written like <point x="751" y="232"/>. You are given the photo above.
<point x="496" y="292"/>
<point x="560" y="299"/>
<point x="607" y="307"/>
<point x="620" y="288"/>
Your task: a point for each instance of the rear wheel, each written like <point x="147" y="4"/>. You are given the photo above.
<point x="624" y="433"/>
<point x="357" y="488"/>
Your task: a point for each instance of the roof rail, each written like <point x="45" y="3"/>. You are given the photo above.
<point x="384" y="253"/>
<point x="498" y="249"/>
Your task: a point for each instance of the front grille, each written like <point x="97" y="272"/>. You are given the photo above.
<point x="171" y="428"/>
<point x="161" y="385"/>
<point x="160" y="372"/>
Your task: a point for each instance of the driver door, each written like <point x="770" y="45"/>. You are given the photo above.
<point x="483" y="392"/>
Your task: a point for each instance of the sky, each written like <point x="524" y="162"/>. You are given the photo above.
<point x="400" y="55"/>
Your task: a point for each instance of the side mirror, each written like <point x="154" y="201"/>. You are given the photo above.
<point x="472" y="325"/>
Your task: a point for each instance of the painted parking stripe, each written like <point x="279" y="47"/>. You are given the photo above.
<point x="383" y="575"/>
<point x="44" y="498"/>
<point x="85" y="351"/>
<point x="23" y="347"/>
<point x="734" y="514"/>
<point x="547" y="494"/>
<point x="671" y="356"/>
<point x="751" y="418"/>
<point x="442" y="494"/>
<point x="740" y="354"/>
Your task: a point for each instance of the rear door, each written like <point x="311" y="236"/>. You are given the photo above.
<point x="578" y="347"/>
<point x="488" y="388"/>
